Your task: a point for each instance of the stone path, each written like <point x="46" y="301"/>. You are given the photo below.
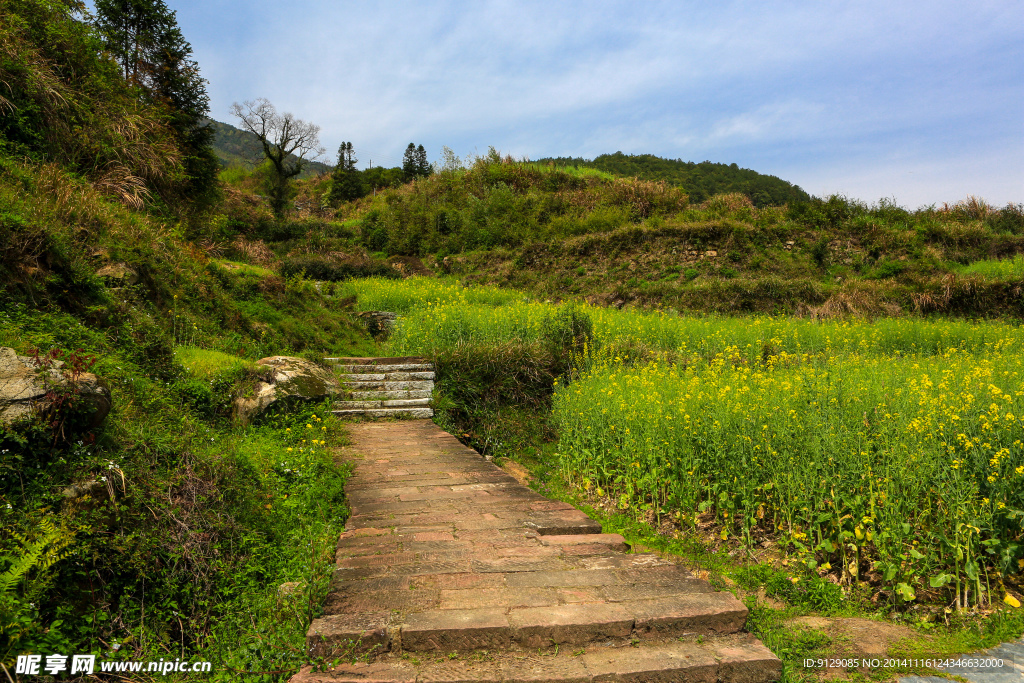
<point x="449" y="570"/>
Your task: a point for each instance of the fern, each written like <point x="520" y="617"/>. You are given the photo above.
<point x="37" y="554"/>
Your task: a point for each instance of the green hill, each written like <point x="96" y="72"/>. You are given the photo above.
<point x="572" y="231"/>
<point x="699" y="181"/>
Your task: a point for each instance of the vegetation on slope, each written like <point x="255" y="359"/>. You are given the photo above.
<point x="166" y="532"/>
<point x="579" y="232"/>
<point x="700" y="181"/>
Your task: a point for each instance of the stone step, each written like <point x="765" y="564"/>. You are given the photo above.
<point x="384" y="385"/>
<point x="386" y="377"/>
<point x="389" y="395"/>
<point x="394" y="402"/>
<point x="419" y="413"/>
<point x="534" y="628"/>
<point x="389" y="360"/>
<point x="562" y="523"/>
<point x="397" y="367"/>
<point x="730" y="659"/>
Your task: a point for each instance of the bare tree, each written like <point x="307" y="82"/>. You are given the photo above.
<point x="286" y="143"/>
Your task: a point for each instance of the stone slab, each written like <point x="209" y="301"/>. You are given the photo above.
<point x="346" y="634"/>
<point x="456" y="629"/>
<point x="538" y="627"/>
<point x="702" y="613"/>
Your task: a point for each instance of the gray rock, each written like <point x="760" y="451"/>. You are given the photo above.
<point x="290" y="380"/>
<point x="23" y="390"/>
<point x="289" y="588"/>
<point x="118" y="274"/>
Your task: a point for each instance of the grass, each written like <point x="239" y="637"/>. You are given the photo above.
<point x="207" y="363"/>
<point x="995" y="268"/>
<point x="415" y="293"/>
<point x="245" y="268"/>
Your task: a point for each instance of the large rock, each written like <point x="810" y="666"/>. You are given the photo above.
<point x="23" y="390"/>
<point x="290" y="380"/>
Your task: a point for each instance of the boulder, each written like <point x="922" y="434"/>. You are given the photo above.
<point x="288" y="380"/>
<point x="117" y="274"/>
<point x="23" y="390"/>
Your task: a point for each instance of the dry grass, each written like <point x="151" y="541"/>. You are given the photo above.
<point x="865" y="301"/>
<point x="254" y="251"/>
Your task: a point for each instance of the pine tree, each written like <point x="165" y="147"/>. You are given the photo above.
<point x="346" y="180"/>
<point x="409" y="163"/>
<point x="422" y="165"/>
<point x="144" y="38"/>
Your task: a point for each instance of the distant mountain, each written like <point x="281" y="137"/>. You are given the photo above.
<point x="700" y="181"/>
<point x="234" y="146"/>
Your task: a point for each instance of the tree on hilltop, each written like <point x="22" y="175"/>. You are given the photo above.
<point x="346" y="180"/>
<point x="422" y="165"/>
<point x="409" y="163"/>
<point x="286" y="140"/>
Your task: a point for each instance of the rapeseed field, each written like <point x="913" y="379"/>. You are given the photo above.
<point x="888" y="451"/>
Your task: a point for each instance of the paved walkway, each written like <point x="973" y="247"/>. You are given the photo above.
<point x="450" y="570"/>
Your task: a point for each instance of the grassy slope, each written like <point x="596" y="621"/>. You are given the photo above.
<point x="202" y="518"/>
<point x="583" y="233"/>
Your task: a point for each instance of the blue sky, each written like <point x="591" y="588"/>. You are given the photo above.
<point x="921" y="102"/>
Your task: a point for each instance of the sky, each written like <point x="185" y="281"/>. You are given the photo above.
<point x="914" y="102"/>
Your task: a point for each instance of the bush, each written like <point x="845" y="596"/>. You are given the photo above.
<point x="334" y="270"/>
<point x="568" y="334"/>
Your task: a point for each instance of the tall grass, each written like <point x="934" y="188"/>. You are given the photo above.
<point x="380" y="294"/>
<point x="441" y="316"/>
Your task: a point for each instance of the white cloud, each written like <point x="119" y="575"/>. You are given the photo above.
<point x="844" y="94"/>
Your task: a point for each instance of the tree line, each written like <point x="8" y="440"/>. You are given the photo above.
<point x="349" y="183"/>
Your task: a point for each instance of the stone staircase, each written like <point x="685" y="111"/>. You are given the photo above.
<point x="385" y="387"/>
<point x="450" y="570"/>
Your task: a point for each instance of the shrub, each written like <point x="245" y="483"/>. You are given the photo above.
<point x="334" y="270"/>
<point x="568" y="334"/>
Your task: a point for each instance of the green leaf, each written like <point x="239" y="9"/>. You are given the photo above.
<point x="940" y="580"/>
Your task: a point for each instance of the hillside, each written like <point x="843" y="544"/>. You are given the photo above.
<point x="107" y="267"/>
<point x="700" y="181"/>
<point x="579" y="232"/>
